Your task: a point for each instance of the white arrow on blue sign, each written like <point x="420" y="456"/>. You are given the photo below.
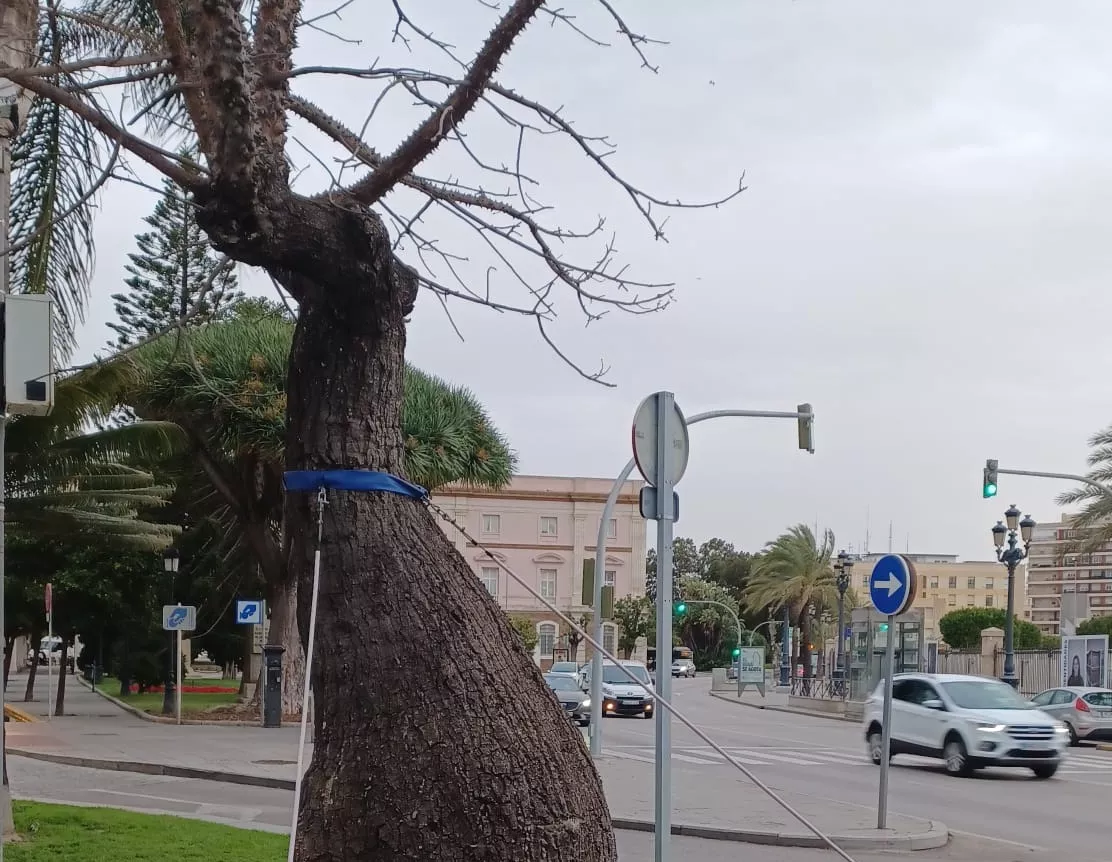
<point x="249" y="612"/>
<point x="892" y="584"/>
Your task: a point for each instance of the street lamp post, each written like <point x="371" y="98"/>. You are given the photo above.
<point x="1012" y="556"/>
<point x="786" y="648"/>
<point x="170" y="562"/>
<point x="843" y="572"/>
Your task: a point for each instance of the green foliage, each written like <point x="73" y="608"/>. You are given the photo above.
<point x="1096" y="626"/>
<point x="1095" y="517"/>
<point x="794" y="570"/>
<point x="526" y="630"/>
<point x="709" y="630"/>
<point x="634" y="616"/>
<point x="961" y="629"/>
<point x="174" y="271"/>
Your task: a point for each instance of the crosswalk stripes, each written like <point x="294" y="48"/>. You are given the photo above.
<point x="1076" y="761"/>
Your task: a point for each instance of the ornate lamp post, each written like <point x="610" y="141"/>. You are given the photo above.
<point x="843" y="573"/>
<point x="1012" y="556"/>
<point x="170" y="562"/>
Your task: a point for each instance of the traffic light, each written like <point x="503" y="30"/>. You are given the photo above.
<point x="884" y="627"/>
<point x="681" y="607"/>
<point x="988" y="485"/>
<point x="737" y="651"/>
<point x="806" y="423"/>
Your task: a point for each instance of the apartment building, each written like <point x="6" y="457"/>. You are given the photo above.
<point x="543" y="528"/>
<point x="1059" y="575"/>
<point x="946" y="584"/>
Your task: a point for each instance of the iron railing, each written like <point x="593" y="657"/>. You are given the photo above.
<point x="820" y="687"/>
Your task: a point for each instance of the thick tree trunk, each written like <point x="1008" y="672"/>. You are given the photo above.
<point x="60" y="699"/>
<point x="283" y="630"/>
<point x="436" y="738"/>
<point x="29" y="694"/>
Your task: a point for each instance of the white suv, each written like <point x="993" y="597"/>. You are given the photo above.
<point x="968" y="721"/>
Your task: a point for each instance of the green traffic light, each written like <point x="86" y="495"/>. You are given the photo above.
<point x="990" y="490"/>
<point x="681" y="607"/>
<point x="884" y="627"/>
<point x="737" y="652"/>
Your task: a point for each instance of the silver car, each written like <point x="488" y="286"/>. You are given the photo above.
<point x="1087" y="712"/>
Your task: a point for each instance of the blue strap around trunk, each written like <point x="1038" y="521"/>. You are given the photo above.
<point x="352" y="480"/>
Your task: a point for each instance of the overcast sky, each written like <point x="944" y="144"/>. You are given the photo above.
<point x="922" y="252"/>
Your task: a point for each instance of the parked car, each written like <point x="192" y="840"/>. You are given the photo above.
<point x="565" y="668"/>
<point x="573" y="699"/>
<point x="683" y="667"/>
<point x="621" y="696"/>
<point x="1086" y="712"/>
<point x="970" y="722"/>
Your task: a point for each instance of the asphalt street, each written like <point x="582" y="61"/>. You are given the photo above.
<point x="794" y="753"/>
<point x="269" y="810"/>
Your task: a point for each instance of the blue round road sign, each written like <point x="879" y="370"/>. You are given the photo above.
<point x="892" y="585"/>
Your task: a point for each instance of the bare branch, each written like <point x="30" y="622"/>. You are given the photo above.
<point x="149" y="153"/>
<point x="426" y="137"/>
<point x="92" y="63"/>
<point x="186" y="72"/>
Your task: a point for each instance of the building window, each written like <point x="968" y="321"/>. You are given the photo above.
<point x="951" y="600"/>
<point x="953" y="582"/>
<point x="988" y="601"/>
<point x="609" y="578"/>
<point x="549" y="526"/>
<point x="489" y="577"/>
<point x="492" y="525"/>
<point x="934" y="583"/>
<point x="546" y="639"/>
<point x="970" y="601"/>
<point x="548" y="583"/>
<point x="971" y="583"/>
<point x="989" y="584"/>
<point x="608" y="633"/>
<point x="865" y="581"/>
<point x="612" y="528"/>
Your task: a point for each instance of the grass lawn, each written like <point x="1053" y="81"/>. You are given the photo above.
<point x="191" y="702"/>
<point x="60" y="833"/>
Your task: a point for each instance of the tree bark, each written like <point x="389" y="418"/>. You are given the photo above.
<point x="29" y="694"/>
<point x="424" y="693"/>
<point x="60" y="698"/>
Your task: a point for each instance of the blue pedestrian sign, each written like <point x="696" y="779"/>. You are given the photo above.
<point x="892" y="584"/>
<point x="249" y="612"/>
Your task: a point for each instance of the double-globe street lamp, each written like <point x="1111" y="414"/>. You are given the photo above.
<point x="170" y="563"/>
<point x="1012" y="556"/>
<point x="843" y="573"/>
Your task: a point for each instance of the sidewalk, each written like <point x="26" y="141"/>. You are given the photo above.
<point x="774" y="701"/>
<point x="95" y="733"/>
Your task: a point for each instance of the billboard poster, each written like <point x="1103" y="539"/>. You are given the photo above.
<point x="751" y="662"/>
<point x="1085" y="661"/>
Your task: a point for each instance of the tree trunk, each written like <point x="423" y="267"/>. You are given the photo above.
<point x="282" y="603"/>
<point x="60" y="699"/>
<point x="9" y="648"/>
<point x="447" y="719"/>
<point x="29" y="694"/>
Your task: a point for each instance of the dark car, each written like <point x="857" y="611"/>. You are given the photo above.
<point x="572" y="698"/>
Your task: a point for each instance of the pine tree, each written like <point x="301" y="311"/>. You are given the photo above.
<point x="169" y="271"/>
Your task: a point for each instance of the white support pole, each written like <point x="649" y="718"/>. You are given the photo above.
<point x="178" y="676"/>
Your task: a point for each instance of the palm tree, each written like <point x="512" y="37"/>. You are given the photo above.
<point x="795" y="571"/>
<point x="1096" y="515"/>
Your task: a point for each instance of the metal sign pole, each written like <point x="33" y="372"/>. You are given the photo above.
<point x="178" y="678"/>
<point x="886" y="724"/>
<point x="49" y="660"/>
<point x="663" y="481"/>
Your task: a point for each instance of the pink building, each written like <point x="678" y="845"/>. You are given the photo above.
<point x="543" y="528"/>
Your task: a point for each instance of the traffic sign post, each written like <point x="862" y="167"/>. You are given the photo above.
<point x="48" y="600"/>
<point x="178" y="619"/>
<point x="249" y="612"/>
<point x="892" y="589"/>
<point x="660" y="450"/>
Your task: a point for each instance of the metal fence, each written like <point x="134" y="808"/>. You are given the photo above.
<point x="822" y="687"/>
<point x="1037" y="670"/>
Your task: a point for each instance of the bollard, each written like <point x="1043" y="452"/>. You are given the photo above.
<point x="272" y="685"/>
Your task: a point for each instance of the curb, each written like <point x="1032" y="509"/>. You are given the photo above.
<point x="156" y="769"/>
<point x="937" y="835"/>
<point x="162" y="719"/>
<point x="787" y="709"/>
<point x="1104" y="746"/>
